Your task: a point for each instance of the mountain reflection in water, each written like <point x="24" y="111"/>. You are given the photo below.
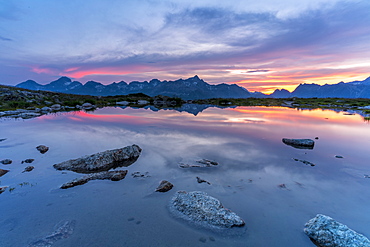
<point x="257" y="176"/>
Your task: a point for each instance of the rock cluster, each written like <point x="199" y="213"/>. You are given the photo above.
<point x="327" y="232"/>
<point x="111" y="175"/>
<point x="299" y="143"/>
<point x="203" y="209"/>
<point x="102" y="161"/>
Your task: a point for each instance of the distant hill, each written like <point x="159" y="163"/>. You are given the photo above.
<point x="188" y="89"/>
<point x="355" y="89"/>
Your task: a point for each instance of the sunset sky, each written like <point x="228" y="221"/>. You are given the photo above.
<point x="260" y="45"/>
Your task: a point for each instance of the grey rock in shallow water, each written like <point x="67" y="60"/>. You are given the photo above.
<point x="164" y="186"/>
<point x="112" y="175"/>
<point x="63" y="230"/>
<point x="299" y="143"/>
<point x="203" y="209"/>
<point x="102" y="161"/>
<point x="327" y="232"/>
<point x="42" y="148"/>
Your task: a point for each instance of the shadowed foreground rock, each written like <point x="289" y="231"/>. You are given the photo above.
<point x="326" y="232"/>
<point x="203" y="209"/>
<point x="63" y="230"/>
<point x="299" y="143"/>
<point x="112" y="175"/>
<point x="102" y="161"/>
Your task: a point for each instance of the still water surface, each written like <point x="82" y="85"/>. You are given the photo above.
<point x="245" y="141"/>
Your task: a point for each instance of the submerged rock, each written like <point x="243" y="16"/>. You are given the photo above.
<point x="327" y="232"/>
<point x="6" y="161"/>
<point x="28" y="161"/>
<point x="304" y="162"/>
<point x="28" y="168"/>
<point x="3" y="139"/>
<point x="338" y="156"/>
<point x="112" y="175"/>
<point x="42" y="148"/>
<point x="63" y="230"/>
<point x="164" y="186"/>
<point x="299" y="143"/>
<point x="200" y="208"/>
<point x="199" y="163"/>
<point x="102" y="161"/>
<point x="199" y="180"/>
<point x="3" y="188"/>
<point x="3" y="172"/>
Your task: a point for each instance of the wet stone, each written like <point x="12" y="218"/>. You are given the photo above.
<point x="42" y="148"/>
<point x="28" y="168"/>
<point x="6" y="162"/>
<point x="28" y="161"/>
<point x="3" y="172"/>
<point x="164" y="186"/>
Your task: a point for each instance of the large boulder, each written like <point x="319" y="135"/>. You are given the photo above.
<point x="102" y="161"/>
<point x="327" y="232"/>
<point x="299" y="143"/>
<point x="111" y="175"/>
<point x="203" y="209"/>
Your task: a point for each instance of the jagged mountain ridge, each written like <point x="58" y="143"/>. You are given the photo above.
<point x="191" y="88"/>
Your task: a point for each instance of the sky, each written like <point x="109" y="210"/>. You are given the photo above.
<point x="260" y="45"/>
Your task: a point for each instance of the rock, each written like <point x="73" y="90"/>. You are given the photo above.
<point x="28" y="168"/>
<point x="3" y="188"/>
<point x="45" y="109"/>
<point x="102" y="161"/>
<point x="56" y="107"/>
<point x="142" y="102"/>
<point x="140" y="175"/>
<point x="28" y="161"/>
<point x="42" y="148"/>
<point x="199" y="163"/>
<point x="304" y="162"/>
<point x="1" y="140"/>
<point x="122" y="103"/>
<point x="299" y="143"/>
<point x="325" y="231"/>
<point x="316" y="138"/>
<point x="207" y="163"/>
<point x="87" y="106"/>
<point x="200" y="208"/>
<point x="338" y="156"/>
<point x="3" y="172"/>
<point x="199" y="180"/>
<point x="164" y="186"/>
<point x="112" y="175"/>
<point x="6" y="161"/>
<point x="63" y="230"/>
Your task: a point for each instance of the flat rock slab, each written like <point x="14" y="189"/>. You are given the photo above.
<point x="112" y="175"/>
<point x="202" y="209"/>
<point x="102" y="161"/>
<point x="327" y="232"/>
<point x="63" y="230"/>
<point x="299" y="143"/>
<point x="199" y="163"/>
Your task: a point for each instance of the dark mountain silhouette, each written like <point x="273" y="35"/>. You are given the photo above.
<point x="191" y="88"/>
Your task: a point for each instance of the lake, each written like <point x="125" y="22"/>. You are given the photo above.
<point x="257" y="176"/>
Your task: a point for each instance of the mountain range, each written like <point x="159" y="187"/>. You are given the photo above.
<point x="191" y="88"/>
<point x="196" y="88"/>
